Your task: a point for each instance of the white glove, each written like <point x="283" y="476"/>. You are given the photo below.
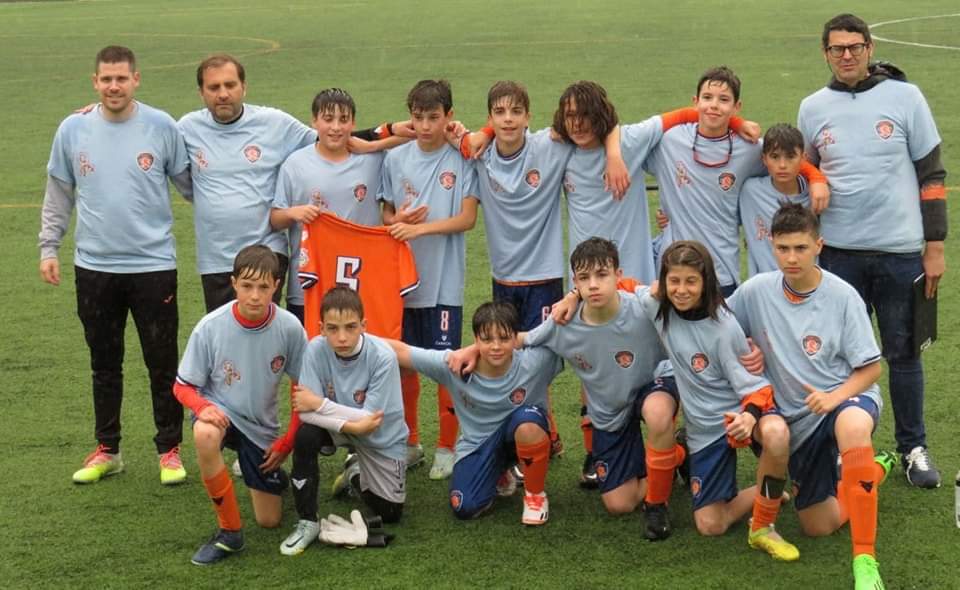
<point x="335" y="530"/>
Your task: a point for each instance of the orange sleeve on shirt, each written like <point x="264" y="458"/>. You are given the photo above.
<point x="189" y="396"/>
<point x="736" y="123"/>
<point x="407" y="269"/>
<point x="762" y="398"/>
<point x="627" y="284"/>
<point x="812" y="173"/>
<point x="488" y="131"/>
<point x="933" y="192"/>
<point x="284" y="444"/>
<point x="679" y="117"/>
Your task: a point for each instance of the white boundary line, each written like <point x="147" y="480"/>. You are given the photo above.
<point x="912" y="19"/>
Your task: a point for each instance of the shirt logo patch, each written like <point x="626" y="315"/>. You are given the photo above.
<point x="456" y="499"/>
<point x="624" y="358"/>
<point x="826" y="139"/>
<point x="252" y="153"/>
<point x="201" y="159"/>
<point x="601" y="469"/>
<point x="304" y="257"/>
<point x="331" y="392"/>
<point x="568" y="184"/>
<point x="495" y="186"/>
<point x="533" y="178"/>
<point x="316" y="198"/>
<point x="447" y="179"/>
<point x="85" y="165"/>
<point x="811" y="344"/>
<point x="727" y="180"/>
<point x="582" y="362"/>
<point x="519" y="394"/>
<point x="360" y="192"/>
<point x="699" y="362"/>
<point x="884" y="129"/>
<point x="277" y="363"/>
<point x="761" y="226"/>
<point x="230" y="373"/>
<point x="409" y="193"/>
<point x="696" y="485"/>
<point x="145" y="161"/>
<point x="683" y="176"/>
<point x="359" y="396"/>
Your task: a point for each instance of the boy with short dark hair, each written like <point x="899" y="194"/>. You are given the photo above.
<point x="349" y="386"/>
<point x="229" y="378"/>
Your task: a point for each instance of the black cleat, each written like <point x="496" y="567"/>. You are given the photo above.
<point x="658" y="522"/>
<point x="683" y="470"/>
<point x="589" y="480"/>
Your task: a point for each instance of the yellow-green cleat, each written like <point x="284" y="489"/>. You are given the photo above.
<point x="866" y="573"/>
<point x="97" y="465"/>
<point x="171" y="468"/>
<point x="887" y="460"/>
<point x="767" y="540"/>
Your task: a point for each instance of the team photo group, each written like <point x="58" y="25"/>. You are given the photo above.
<point x="335" y="258"/>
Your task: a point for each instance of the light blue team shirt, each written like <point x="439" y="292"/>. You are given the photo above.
<point x="592" y="211"/>
<point x="701" y="201"/>
<point x="441" y="180"/>
<point x="866" y="143"/>
<point x="818" y="341"/>
<point x="369" y="381"/>
<point x="706" y="360"/>
<point x="234" y="169"/>
<point x="239" y="369"/>
<point x="521" y="208"/>
<point x="483" y="404"/>
<point x="348" y="189"/>
<point x="612" y="360"/>
<point x="759" y="201"/>
<point x="119" y="172"/>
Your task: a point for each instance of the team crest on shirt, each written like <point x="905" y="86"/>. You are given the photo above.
<point x="201" y="159"/>
<point x="456" y="499"/>
<point x="568" y="184"/>
<point x="495" y="186"/>
<point x="533" y="178"/>
<point x="761" y="226"/>
<point x="582" y="362"/>
<point x="145" y="161"/>
<point x="304" y="257"/>
<point x="252" y="153"/>
<point x="360" y="192"/>
<point x="277" y="363"/>
<point x="811" y="344"/>
<point x="726" y="180"/>
<point x="519" y="394"/>
<point x="316" y="198"/>
<point x="696" y="485"/>
<point x="699" y="362"/>
<point x="683" y="175"/>
<point x="359" y="396"/>
<point x="601" y="469"/>
<point x="624" y="358"/>
<point x="85" y="166"/>
<point x="331" y="392"/>
<point x="826" y="139"/>
<point x="447" y="179"/>
<point x="230" y="373"/>
<point x="884" y="129"/>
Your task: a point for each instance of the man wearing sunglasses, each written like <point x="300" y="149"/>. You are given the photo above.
<point x="874" y="136"/>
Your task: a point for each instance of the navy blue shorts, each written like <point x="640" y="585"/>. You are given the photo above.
<point x="433" y="328"/>
<point x="620" y="456"/>
<point x="533" y="302"/>
<point x="251" y="456"/>
<point x="813" y="466"/>
<point x="473" y="484"/>
<point x="713" y="474"/>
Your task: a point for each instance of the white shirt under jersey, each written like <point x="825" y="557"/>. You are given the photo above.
<point x="866" y="144"/>
<point x="817" y="341"/>
<point x="234" y="168"/>
<point x="759" y="201"/>
<point x="239" y="368"/>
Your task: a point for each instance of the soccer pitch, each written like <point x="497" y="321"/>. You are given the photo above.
<point x="128" y="531"/>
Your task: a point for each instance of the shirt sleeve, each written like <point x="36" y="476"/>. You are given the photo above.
<point x="637" y="140"/>
<point x="859" y="344"/>
<point x="196" y="364"/>
<point x="58" y="203"/>
<point x="810" y="149"/>
<point x="737" y="304"/>
<point x="177" y="158"/>
<point x="309" y="369"/>
<point x="407" y="269"/>
<point x="386" y="193"/>
<point x="471" y="184"/>
<point x="544" y="335"/>
<point x="60" y="165"/>
<point x="281" y="194"/>
<point x="922" y="134"/>
<point x="298" y="135"/>
<point x="732" y="343"/>
<point x="384" y="384"/>
<point x="433" y="364"/>
<point x="296" y="350"/>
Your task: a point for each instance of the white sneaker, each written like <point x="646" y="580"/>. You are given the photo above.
<point x="442" y="464"/>
<point x="536" y="509"/>
<point x="301" y="537"/>
<point x="507" y="484"/>
<point x="415" y="455"/>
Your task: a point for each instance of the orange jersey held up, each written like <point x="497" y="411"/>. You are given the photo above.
<point x="366" y="259"/>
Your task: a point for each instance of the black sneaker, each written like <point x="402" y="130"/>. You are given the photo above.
<point x="683" y="470"/>
<point x="658" y="522"/>
<point x="589" y="480"/>
<point x="920" y="470"/>
<point x="222" y="545"/>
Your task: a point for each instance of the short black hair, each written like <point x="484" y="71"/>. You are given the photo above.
<point x="256" y="261"/>
<point x="495" y="315"/>
<point x="846" y="22"/>
<point x="783" y="137"/>
<point x="427" y="95"/>
<point x="219" y="60"/>
<point x="594" y="253"/>
<point x="115" y="54"/>
<point x="515" y="91"/>
<point x="794" y="218"/>
<point x="718" y="75"/>
<point x="329" y="99"/>
<point x="341" y="299"/>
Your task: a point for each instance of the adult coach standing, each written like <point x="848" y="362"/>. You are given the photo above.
<point x="113" y="164"/>
<point x="874" y="137"/>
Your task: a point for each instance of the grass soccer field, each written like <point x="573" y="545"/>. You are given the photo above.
<point x="128" y="531"/>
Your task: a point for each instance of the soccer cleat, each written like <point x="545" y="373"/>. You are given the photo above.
<point x="919" y="469"/>
<point x="171" y="468"/>
<point x="235" y="468"/>
<point x="222" y="545"/>
<point x="536" y="509"/>
<point x="507" y="484"/>
<point x="683" y="470"/>
<point x="415" y="456"/>
<point x="306" y="532"/>
<point x="866" y="573"/>
<point x="766" y="539"/>
<point x="97" y="465"/>
<point x="589" y="480"/>
<point x="348" y="482"/>
<point x="517" y="473"/>
<point x="886" y="460"/>
<point x="658" y="522"/>
<point x="442" y="464"/>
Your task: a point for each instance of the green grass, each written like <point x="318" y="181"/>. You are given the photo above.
<point x="129" y="532"/>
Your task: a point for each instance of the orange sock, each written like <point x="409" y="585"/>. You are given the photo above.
<point x="449" y="424"/>
<point x="859" y="481"/>
<point x="660" y="466"/>
<point x="220" y="489"/>
<point x="586" y="427"/>
<point x="765" y="511"/>
<point x="534" y="460"/>
<point x="842" y="493"/>
<point x="410" y="388"/>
